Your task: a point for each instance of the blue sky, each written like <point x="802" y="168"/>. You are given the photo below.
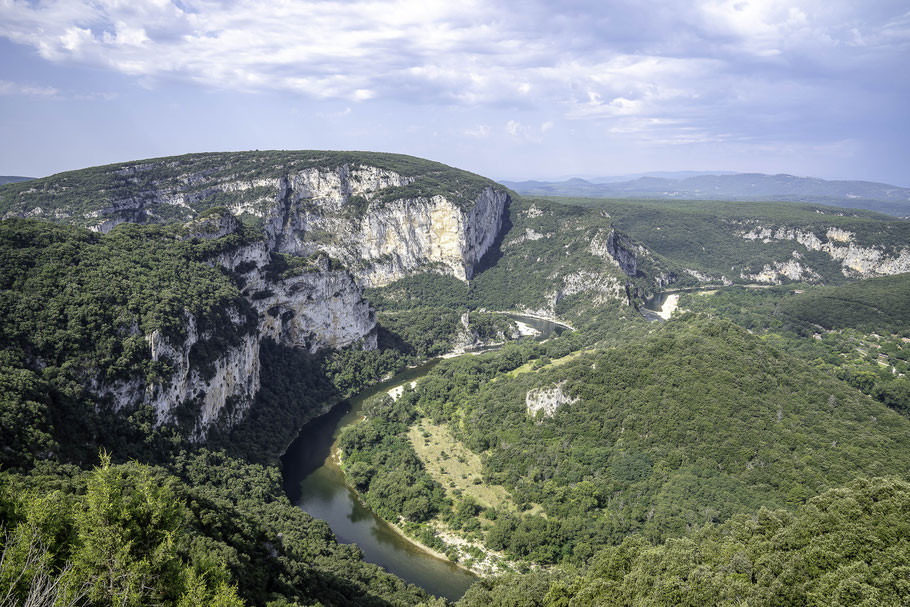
<point x="512" y="90"/>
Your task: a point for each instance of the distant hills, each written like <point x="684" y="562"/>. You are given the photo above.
<point x="4" y="179"/>
<point x="690" y="185"/>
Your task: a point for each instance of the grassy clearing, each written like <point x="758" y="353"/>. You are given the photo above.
<point x="454" y="466"/>
<point x="532" y="366"/>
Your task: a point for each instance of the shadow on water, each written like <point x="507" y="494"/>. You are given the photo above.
<point x="315" y="483"/>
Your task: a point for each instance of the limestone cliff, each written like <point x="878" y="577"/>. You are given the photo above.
<point x="346" y="219"/>
<point x="619" y="249"/>
<point x="214" y="376"/>
<point x="856" y="260"/>
<point x="382" y="215"/>
<point x="338" y="212"/>
<point x="547" y="400"/>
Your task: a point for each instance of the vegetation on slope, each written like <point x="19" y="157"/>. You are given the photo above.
<point x="693" y="424"/>
<point x="848" y="546"/>
<point x="203" y="530"/>
<point x="857" y="332"/>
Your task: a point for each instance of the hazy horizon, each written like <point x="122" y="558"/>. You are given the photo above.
<point x="513" y="91"/>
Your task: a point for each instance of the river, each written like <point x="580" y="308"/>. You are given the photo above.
<point x="315" y="483"/>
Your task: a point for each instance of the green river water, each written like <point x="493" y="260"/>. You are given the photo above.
<point x="316" y="484"/>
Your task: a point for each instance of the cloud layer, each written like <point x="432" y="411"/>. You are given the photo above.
<point x="666" y="71"/>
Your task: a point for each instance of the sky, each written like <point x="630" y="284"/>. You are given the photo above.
<point x="511" y="90"/>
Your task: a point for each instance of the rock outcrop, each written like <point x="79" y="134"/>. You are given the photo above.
<point x="384" y="242"/>
<point x="617" y="248"/>
<point x="856" y="260"/>
<point x="792" y="269"/>
<point x="547" y="400"/>
<point x="215" y="378"/>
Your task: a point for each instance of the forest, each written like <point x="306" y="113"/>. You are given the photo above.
<point x="753" y="449"/>
<point x="658" y="436"/>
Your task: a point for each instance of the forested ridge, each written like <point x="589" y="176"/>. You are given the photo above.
<point x="706" y="236"/>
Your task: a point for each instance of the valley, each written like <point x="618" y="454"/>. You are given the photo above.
<point x="345" y="378"/>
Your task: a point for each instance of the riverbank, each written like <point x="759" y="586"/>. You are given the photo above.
<point x="339" y="462"/>
<point x="316" y="483"/>
<point x="550" y="319"/>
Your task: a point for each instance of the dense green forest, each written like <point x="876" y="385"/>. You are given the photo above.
<point x="856" y="332"/>
<point x="692" y="424"/>
<point x="201" y="529"/>
<point x="848" y="546"/>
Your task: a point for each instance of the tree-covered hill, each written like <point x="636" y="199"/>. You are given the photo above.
<point x="693" y="424"/>
<point x="875" y="305"/>
<point x="858" y="332"/>
<point x="848" y="546"/>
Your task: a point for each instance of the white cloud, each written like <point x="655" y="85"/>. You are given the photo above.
<point x="29" y="90"/>
<point x="682" y="63"/>
<point x="479" y="132"/>
<point x="527" y="133"/>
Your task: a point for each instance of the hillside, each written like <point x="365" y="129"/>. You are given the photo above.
<point x="869" y="195"/>
<point x="692" y="424"/>
<point x="877" y="305"/>
<point x="552" y="259"/>
<point x="770" y="243"/>
<point x="858" y="332"/>
<point x="4" y="179"/>
<point x="826" y="553"/>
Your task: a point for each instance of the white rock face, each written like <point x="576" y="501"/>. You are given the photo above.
<point x="320" y="308"/>
<point x="703" y="277"/>
<point x="603" y="287"/>
<point x="317" y="310"/>
<point x="617" y="249"/>
<point x="221" y="391"/>
<point x="224" y="395"/>
<point x="529" y="235"/>
<point x="344" y="213"/>
<point x="774" y="272"/>
<point x="387" y="241"/>
<point x="547" y="400"/>
<point x="856" y="261"/>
